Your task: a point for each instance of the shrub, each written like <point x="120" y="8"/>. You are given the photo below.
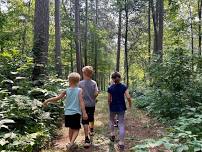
<point x="175" y="94"/>
<point x="25" y="126"/>
<point x="175" y="85"/>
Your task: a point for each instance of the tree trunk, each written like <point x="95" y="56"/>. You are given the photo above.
<point x="58" y="64"/>
<point x="119" y="38"/>
<point x="41" y="38"/>
<point x="199" y="26"/>
<point x="71" y="57"/>
<point x="77" y="36"/>
<point x="126" y="43"/>
<point x="191" y="27"/>
<point x="72" y="44"/>
<point x="160" y="34"/>
<point x="85" y="36"/>
<point x="69" y="15"/>
<point x="96" y="39"/>
<point x="157" y="15"/>
<point x="155" y="49"/>
<point x="24" y="41"/>
<point x="149" y="30"/>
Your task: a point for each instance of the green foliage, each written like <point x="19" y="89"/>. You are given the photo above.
<point x="25" y="125"/>
<point x="23" y="113"/>
<point x="174" y="73"/>
<point x="55" y="84"/>
<point x="145" y="100"/>
<point x="184" y="136"/>
<point x="175" y="94"/>
<point x="174" y="86"/>
<point x="12" y="61"/>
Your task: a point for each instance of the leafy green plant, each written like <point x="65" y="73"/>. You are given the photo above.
<point x="175" y="95"/>
<point x="175" y="85"/>
<point x="25" y="126"/>
<point x="13" y="60"/>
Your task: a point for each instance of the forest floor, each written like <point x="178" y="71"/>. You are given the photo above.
<point x="139" y="126"/>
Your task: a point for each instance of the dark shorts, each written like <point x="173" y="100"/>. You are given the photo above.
<point x="90" y="112"/>
<point x="73" y="121"/>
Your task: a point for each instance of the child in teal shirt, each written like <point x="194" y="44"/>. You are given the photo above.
<point x="73" y="107"/>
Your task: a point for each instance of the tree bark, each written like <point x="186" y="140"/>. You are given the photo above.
<point x="157" y="15"/>
<point x="191" y="27"/>
<point x="24" y="34"/>
<point x="126" y="44"/>
<point x="96" y="39"/>
<point x="77" y="36"/>
<point x="41" y="38"/>
<point x="71" y="43"/>
<point x="71" y="56"/>
<point x="69" y="16"/>
<point x="149" y="30"/>
<point x="199" y="26"/>
<point x="155" y="49"/>
<point x="85" y="36"/>
<point x="160" y="34"/>
<point x="58" y="64"/>
<point x="119" y="38"/>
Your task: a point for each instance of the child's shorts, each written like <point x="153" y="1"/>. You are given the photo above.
<point x="90" y="112"/>
<point x="73" y="121"/>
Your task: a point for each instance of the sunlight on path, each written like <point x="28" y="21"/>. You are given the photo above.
<point x="138" y="127"/>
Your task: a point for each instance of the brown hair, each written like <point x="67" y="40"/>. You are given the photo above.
<point x="88" y="71"/>
<point x="116" y="76"/>
<point x="74" y="77"/>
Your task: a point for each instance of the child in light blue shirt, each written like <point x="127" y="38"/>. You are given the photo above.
<point x="73" y="107"/>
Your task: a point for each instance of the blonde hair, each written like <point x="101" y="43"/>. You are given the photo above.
<point x="88" y="71"/>
<point x="74" y="77"/>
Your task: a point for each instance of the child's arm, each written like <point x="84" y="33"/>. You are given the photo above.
<point x="109" y="98"/>
<point x="96" y="91"/>
<point x="96" y="94"/>
<point x="128" y="98"/>
<point x="54" y="99"/>
<point x="82" y="105"/>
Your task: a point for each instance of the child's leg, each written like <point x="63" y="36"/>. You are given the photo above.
<point x="121" y="127"/>
<point x="91" y="127"/>
<point x="86" y="126"/>
<point x="91" y="124"/>
<point x="70" y="134"/>
<point x="91" y="118"/>
<point x="111" y="123"/>
<point x="86" y="123"/>
<point x="75" y="133"/>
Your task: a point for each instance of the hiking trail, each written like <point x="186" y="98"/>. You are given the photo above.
<point x="139" y="126"/>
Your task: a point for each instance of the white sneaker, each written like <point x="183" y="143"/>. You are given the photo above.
<point x="69" y="146"/>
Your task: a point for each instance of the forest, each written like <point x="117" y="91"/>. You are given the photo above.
<point x="154" y="44"/>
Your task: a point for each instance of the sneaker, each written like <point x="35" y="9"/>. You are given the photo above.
<point x="112" y="138"/>
<point x="87" y="143"/>
<point x="116" y="123"/>
<point x="120" y="148"/>
<point x="91" y="133"/>
<point x="69" y="146"/>
<point x="74" y="146"/>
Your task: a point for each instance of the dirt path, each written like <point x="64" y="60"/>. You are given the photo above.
<point x="138" y="127"/>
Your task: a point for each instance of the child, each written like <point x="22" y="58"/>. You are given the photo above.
<point x="90" y="92"/>
<point x="73" y="107"/>
<point x="116" y="121"/>
<point x="117" y="106"/>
